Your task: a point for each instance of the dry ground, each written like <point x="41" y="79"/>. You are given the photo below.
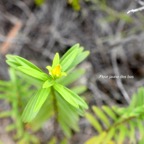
<point x="114" y="39"/>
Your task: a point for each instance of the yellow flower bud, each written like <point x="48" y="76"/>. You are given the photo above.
<point x="56" y="72"/>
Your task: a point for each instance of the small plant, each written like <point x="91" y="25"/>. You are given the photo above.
<point x="16" y="92"/>
<point x="53" y="98"/>
<point x="119" y="125"/>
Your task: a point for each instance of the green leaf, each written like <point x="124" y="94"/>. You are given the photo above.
<point x="34" y="73"/>
<point x="120" y="137"/>
<point x="94" y="122"/>
<point x="101" y="115"/>
<point x="141" y="141"/>
<point x="55" y="60"/>
<point x="34" y="139"/>
<point x="64" y="141"/>
<point x="109" y="112"/>
<point x="70" y="96"/>
<point x="66" y="95"/>
<point x="48" y="83"/>
<point x="79" y="89"/>
<point x="79" y="100"/>
<point x="67" y="113"/>
<point x="34" y="105"/>
<point x="16" y="61"/>
<point x="71" y="77"/>
<point x="69" y="57"/>
<point x="30" y="80"/>
<point x="132" y="132"/>
<point x="140" y="128"/>
<point x="10" y="127"/>
<point x="97" y="139"/>
<point x="66" y="129"/>
<point x="70" y="51"/>
<point x="5" y="114"/>
<point x="39" y="2"/>
<point x="140" y="96"/>
<point x="44" y="114"/>
<point x="5" y="83"/>
<point x="92" y="140"/>
<point x="109" y="135"/>
<point x="53" y="140"/>
<point x="80" y="57"/>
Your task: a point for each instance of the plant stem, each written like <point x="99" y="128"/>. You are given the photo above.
<point x="121" y="122"/>
<point x="55" y="124"/>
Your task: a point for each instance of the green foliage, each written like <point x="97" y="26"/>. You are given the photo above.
<point x="39" y="2"/>
<point x="119" y="125"/>
<point x="111" y="14"/>
<point x="53" y="98"/>
<point x="17" y="92"/>
<point x="75" y="4"/>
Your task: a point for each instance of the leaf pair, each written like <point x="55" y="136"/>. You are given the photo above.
<point x="26" y="67"/>
<point x="70" y="96"/>
<point x="73" y="57"/>
<point x="36" y="102"/>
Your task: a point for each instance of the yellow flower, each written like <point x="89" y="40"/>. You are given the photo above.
<point x="56" y="72"/>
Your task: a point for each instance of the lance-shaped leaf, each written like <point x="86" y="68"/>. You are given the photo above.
<point x="109" y="112"/>
<point x="79" y="100"/>
<point x="73" y="57"/>
<point x="122" y="133"/>
<point x="94" y="122"/>
<point x="26" y="67"/>
<point x="109" y="135"/>
<point x="79" y="58"/>
<point x="34" y="105"/>
<point x="70" y="51"/>
<point x="16" y="61"/>
<point x="71" y="77"/>
<point x="70" y="96"/>
<point x="66" y="95"/>
<point x="33" y="72"/>
<point x="55" y="60"/>
<point x="67" y="113"/>
<point x="97" y="139"/>
<point x="69" y="57"/>
<point x="79" y="89"/>
<point x="132" y="132"/>
<point x="100" y="114"/>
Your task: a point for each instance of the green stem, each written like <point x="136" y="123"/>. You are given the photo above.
<point x="55" y="107"/>
<point x="116" y="124"/>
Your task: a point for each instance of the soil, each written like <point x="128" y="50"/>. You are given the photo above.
<point x="115" y="39"/>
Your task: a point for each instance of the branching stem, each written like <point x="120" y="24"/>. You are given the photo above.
<point x="121" y="122"/>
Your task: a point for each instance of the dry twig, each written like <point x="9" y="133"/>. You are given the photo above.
<point x="135" y="10"/>
<point x="117" y="73"/>
<point x="11" y="35"/>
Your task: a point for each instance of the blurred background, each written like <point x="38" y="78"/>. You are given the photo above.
<point x="36" y="29"/>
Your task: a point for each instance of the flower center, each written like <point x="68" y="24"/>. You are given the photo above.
<point x="56" y="71"/>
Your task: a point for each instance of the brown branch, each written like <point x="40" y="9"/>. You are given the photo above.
<point x="11" y="35"/>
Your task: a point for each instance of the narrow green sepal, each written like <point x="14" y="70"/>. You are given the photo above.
<point x="56" y="60"/>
